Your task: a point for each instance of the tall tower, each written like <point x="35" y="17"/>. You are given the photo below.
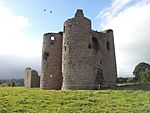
<point x="77" y="53"/>
<point x="109" y="59"/>
<point x="51" y="74"/>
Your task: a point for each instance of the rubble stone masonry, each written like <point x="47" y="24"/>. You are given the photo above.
<point x="79" y="57"/>
<point x="31" y="78"/>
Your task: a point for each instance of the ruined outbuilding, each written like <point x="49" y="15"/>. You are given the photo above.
<point x="78" y="57"/>
<point x="31" y="78"/>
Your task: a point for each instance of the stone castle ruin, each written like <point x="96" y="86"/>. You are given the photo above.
<point x="78" y="57"/>
<point x="31" y="79"/>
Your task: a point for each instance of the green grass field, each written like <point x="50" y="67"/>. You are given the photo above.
<point x="125" y="99"/>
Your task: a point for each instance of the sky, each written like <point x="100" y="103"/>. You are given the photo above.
<point x="23" y="23"/>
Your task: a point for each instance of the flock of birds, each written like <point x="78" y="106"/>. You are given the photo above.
<point x="46" y="10"/>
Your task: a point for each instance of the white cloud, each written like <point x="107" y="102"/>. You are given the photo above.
<point x="108" y="13"/>
<point x="131" y="26"/>
<point x="12" y="39"/>
<point x="17" y="51"/>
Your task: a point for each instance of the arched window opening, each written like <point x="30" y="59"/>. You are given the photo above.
<point x="52" y="39"/>
<point x="45" y="55"/>
<point x="96" y="45"/>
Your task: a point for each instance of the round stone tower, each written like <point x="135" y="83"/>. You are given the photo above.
<point x="77" y="53"/>
<point x="51" y="74"/>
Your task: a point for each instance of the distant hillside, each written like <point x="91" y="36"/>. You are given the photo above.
<point x="17" y="82"/>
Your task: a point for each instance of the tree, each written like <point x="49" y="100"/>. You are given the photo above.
<point x="145" y="76"/>
<point x="141" y="67"/>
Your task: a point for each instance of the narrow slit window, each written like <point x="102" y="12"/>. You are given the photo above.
<point x="108" y="46"/>
<point x="65" y="48"/>
<point x="89" y="46"/>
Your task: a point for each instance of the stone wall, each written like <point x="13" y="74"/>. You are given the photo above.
<point x="98" y="50"/>
<point x="31" y="78"/>
<point x="51" y="74"/>
<point x="104" y="57"/>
